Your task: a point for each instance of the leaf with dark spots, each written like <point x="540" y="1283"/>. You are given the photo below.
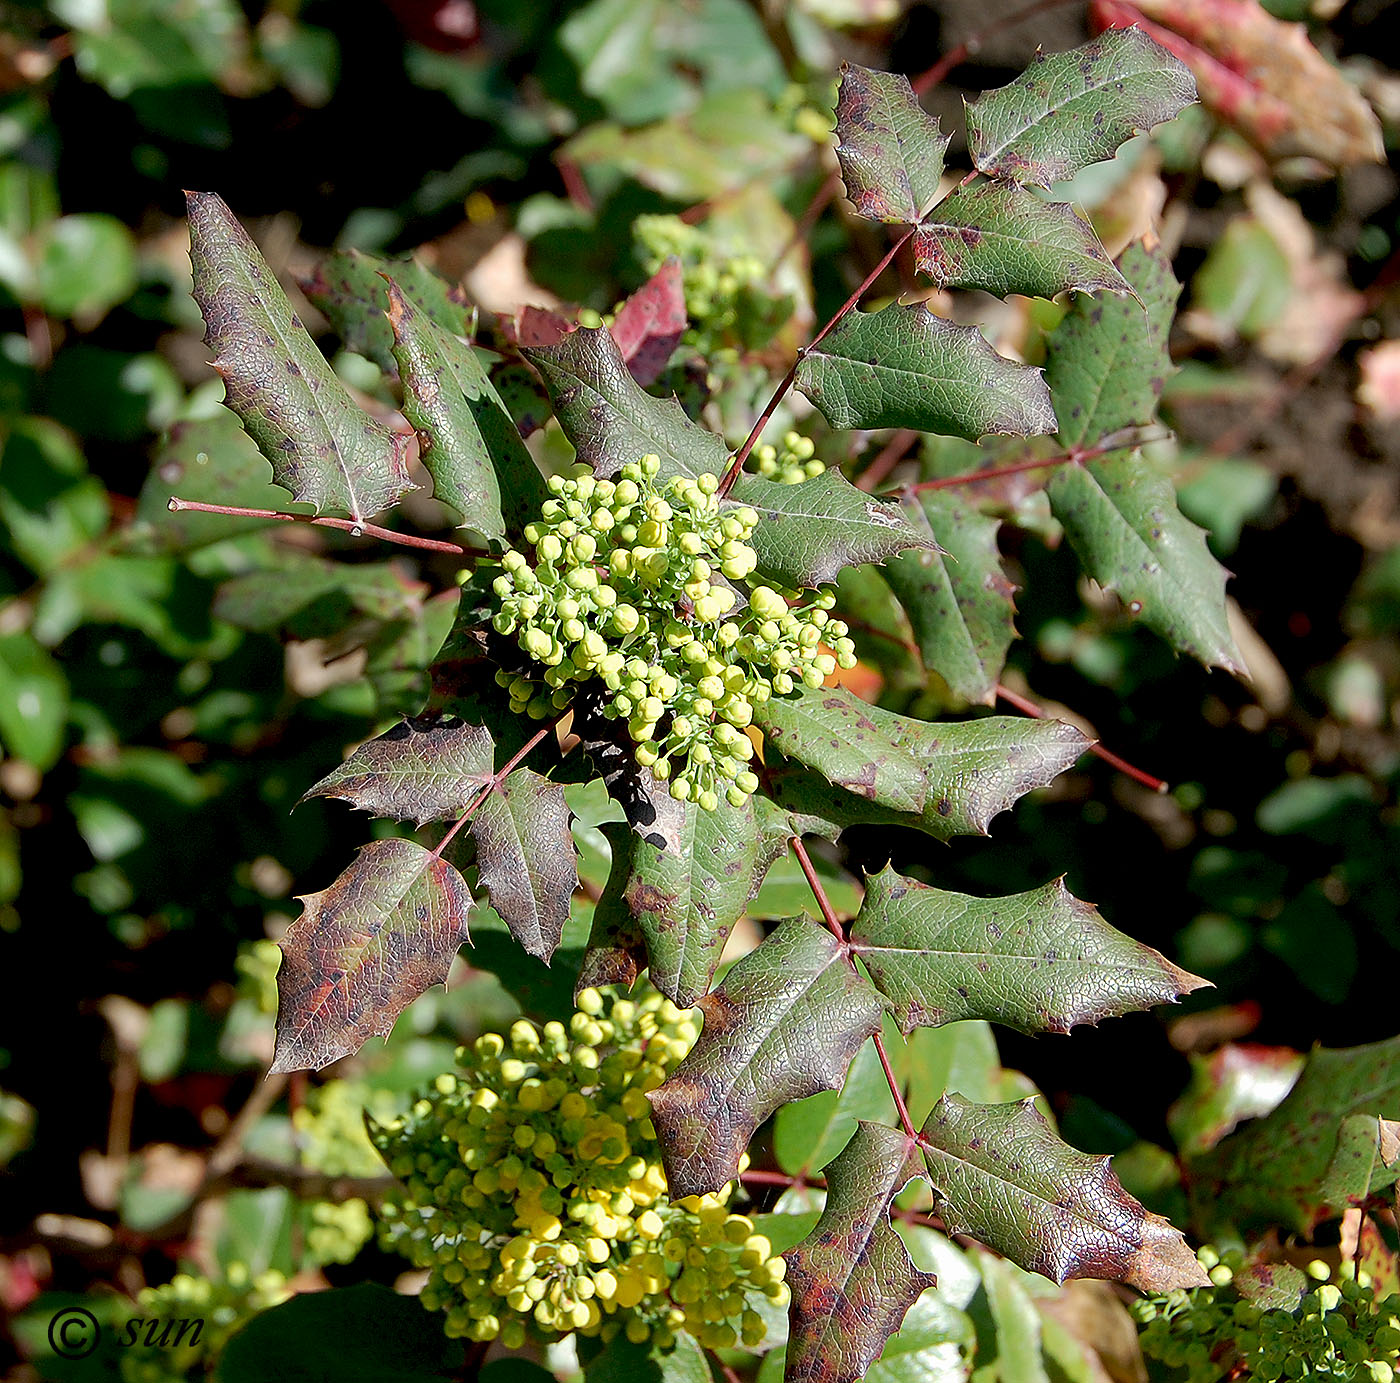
<point x="904" y="367"/>
<point x="891" y="150"/>
<point x="1000" y="238"/>
<point x="852" y="1280"/>
<point x="648" y="326"/>
<point x="526" y="858"/>
<point x="420" y="770"/>
<point x="776" y="826"/>
<point x="611" y="419"/>
<point x="686" y="901"/>
<point x="348" y="286"/>
<point x="1039" y="961"/>
<point x="851" y="743"/>
<point x="1000" y="1173"/>
<point x="365" y="948"/>
<point x="323" y="447"/>
<point x="616" y="953"/>
<point x="1068" y="110"/>
<point x="785" y="1023"/>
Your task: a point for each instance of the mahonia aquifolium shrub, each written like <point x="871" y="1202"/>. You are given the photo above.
<point x="537" y="1199"/>
<point x="630" y="585"/>
<point x="1339" y="1330"/>
<point x="220" y="1307"/>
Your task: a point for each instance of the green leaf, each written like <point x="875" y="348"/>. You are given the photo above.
<point x="419" y="771"/>
<point x="1016" y="1323"/>
<point x="1002" y="239"/>
<point x="526" y="860"/>
<point x="360" y="1334"/>
<point x="891" y="150"/>
<point x="348" y="286"/>
<point x="1039" y="961"/>
<point x="621" y="1361"/>
<point x="33" y="701"/>
<point x="852" y="1280"/>
<point x="363" y="949"/>
<point x="50" y="507"/>
<point x="1000" y="1174"/>
<point x="808" y="1133"/>
<point x="1071" y="109"/>
<point x="471" y="447"/>
<point x="323" y="447"/>
<point x="1297" y="1165"/>
<point x="904" y="367"/>
<point x="956" y="595"/>
<point x="686" y="901"/>
<point x="1233" y="1083"/>
<point x="87" y="266"/>
<point x="934" y="1345"/>
<point x="785" y="1023"/>
<point x="958" y="1057"/>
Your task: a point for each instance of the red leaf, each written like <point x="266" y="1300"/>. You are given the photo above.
<point x="537" y="326"/>
<point x="649" y="324"/>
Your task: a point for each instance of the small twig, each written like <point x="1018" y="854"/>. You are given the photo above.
<point x="891" y="454"/>
<point x="1029" y="708"/>
<point x="357" y="527"/>
<point x="900" y="1107"/>
<point x="818" y="892"/>
<point x="759" y="1177"/>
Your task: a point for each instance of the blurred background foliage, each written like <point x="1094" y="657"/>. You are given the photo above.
<point x="170" y="684"/>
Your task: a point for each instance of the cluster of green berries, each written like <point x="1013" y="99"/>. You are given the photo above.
<point x="535" y="1195"/>
<point x="168" y="1348"/>
<point x="1338" y="1331"/>
<point x="630" y="586"/>
<point x="789" y="464"/>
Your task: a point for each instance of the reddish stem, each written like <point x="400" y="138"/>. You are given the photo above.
<point x="762" y="1178"/>
<point x="1029" y="708"/>
<point x="359" y="529"/>
<point x="889" y="457"/>
<point x="780" y="393"/>
<point x="901" y="1108"/>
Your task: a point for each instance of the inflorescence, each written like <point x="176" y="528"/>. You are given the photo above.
<point x="631" y="586"/>
<point x="536" y="1197"/>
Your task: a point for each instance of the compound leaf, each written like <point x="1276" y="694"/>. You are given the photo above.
<point x="525" y="858"/>
<point x="1000" y="1174"/>
<point x="470" y="445"/>
<point x="1071" y="109"/>
<point x="365" y="948"/>
<point x="891" y="150"/>
<point x="419" y="771"/>
<point x="785" y="1023"/>
<point x="904" y="367"/>
<point x="956" y="595"/>
<point x="323" y="447"/>
<point x="1039" y="961"/>
<point x="852" y="1279"/>
<point x="1000" y="238"/>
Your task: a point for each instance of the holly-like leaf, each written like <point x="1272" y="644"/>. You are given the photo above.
<point x="526" y="859"/>
<point x="1000" y="238"/>
<point x="1298" y="1165"/>
<point x="956" y="596"/>
<point x="785" y="1023"/>
<point x="470" y="445"/>
<point x="808" y="532"/>
<point x="1241" y="1080"/>
<point x="1001" y="1174"/>
<point x="1107" y="364"/>
<point x="611" y="419"/>
<point x="649" y="325"/>
<point x="323" y="447"/>
<point x="904" y="367"/>
<point x="1039" y="961"/>
<point x="419" y="771"/>
<point x="348" y="286"/>
<point x="852" y="1279"/>
<point x="686" y="901"/>
<point x="616" y="952"/>
<point x="891" y="150"/>
<point x="364" y="949"/>
<point x="1071" y="109"/>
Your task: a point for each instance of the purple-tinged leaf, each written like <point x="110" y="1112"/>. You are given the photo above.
<point x="1002" y="239"/>
<point x="616" y="953"/>
<point x="526" y="859"/>
<point x="1039" y="961"/>
<point x="649" y="325"/>
<point x="1068" y="110"/>
<point x="891" y="149"/>
<point x="852" y="1279"/>
<point x="785" y="1023"/>
<point x="364" y="949"/>
<point x="323" y="447"/>
<point x="1001" y="1174"/>
<point x="904" y="367"/>
<point x="419" y="771"/>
